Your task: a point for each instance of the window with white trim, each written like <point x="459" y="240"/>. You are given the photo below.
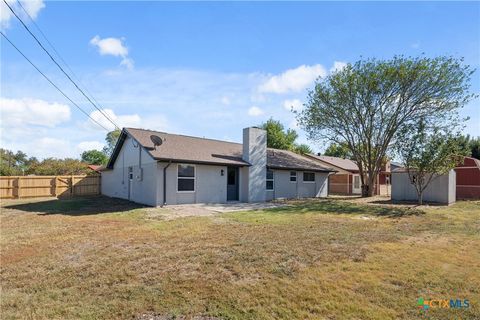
<point x="308" y="177"/>
<point x="293" y="176"/>
<point x="269" y="180"/>
<point x="186" y="178"/>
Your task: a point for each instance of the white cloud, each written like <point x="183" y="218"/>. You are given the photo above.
<point x="89" y="145"/>
<point x="131" y="120"/>
<point x="225" y="100"/>
<point x="114" y="47"/>
<point x="294" y="104"/>
<point x="32" y="7"/>
<point x="293" y="80"/>
<point x="27" y="111"/>
<point x="255" y="111"/>
<point x="337" y="66"/>
<point x="415" y="45"/>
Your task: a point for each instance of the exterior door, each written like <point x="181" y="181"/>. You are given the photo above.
<point x="356" y="185"/>
<point x="232" y="184"/>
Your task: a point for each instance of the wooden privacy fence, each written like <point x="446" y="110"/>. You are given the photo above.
<point x="14" y="187"/>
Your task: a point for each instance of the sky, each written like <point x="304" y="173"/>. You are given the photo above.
<point x="204" y="69"/>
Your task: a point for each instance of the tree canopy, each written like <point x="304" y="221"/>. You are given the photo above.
<point x="366" y="103"/>
<point x="111" y="140"/>
<point x="339" y="150"/>
<point x="280" y="138"/>
<point x="94" y="157"/>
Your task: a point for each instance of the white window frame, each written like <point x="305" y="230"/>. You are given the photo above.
<point x="308" y="181"/>
<point x="194" y="178"/>
<point x="273" y="180"/>
<point x="291" y="176"/>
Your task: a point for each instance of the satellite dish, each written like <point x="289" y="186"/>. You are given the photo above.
<point x="157" y="141"/>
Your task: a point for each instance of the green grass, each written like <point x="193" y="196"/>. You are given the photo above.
<point x="102" y="258"/>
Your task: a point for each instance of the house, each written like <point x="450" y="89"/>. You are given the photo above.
<point x="347" y="181"/>
<point x="441" y="189"/>
<point x="158" y="168"/>
<point x="468" y="179"/>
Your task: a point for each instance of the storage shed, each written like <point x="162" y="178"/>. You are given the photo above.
<point x="468" y="179"/>
<point x="442" y="188"/>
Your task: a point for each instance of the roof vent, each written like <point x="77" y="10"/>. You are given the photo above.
<point x="157" y="141"/>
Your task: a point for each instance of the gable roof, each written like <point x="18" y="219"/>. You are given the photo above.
<point x="188" y="149"/>
<point x="345" y="164"/>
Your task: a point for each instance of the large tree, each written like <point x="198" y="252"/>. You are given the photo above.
<point x="365" y="104"/>
<point x="94" y="157"/>
<point x="111" y="140"/>
<point x="54" y="167"/>
<point x="280" y="138"/>
<point x="340" y="150"/>
<point x="427" y="154"/>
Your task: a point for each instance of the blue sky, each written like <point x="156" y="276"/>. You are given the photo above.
<point x="205" y="69"/>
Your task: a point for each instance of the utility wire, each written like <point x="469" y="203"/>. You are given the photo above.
<point x="58" y="54"/>
<point x="51" y="82"/>
<point x="58" y="65"/>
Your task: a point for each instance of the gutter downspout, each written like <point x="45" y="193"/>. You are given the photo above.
<point x="165" y="183"/>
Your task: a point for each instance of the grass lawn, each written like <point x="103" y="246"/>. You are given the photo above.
<point x="326" y="259"/>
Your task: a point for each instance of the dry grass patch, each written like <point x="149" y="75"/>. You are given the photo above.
<point x="311" y="260"/>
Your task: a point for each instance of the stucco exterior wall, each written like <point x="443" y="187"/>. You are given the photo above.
<point x="140" y="189"/>
<point x="442" y="189"/>
<point x="284" y="188"/>
<point x="210" y="185"/>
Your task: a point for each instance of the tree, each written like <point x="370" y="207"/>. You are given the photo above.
<point x="475" y="148"/>
<point x="302" y="149"/>
<point x="277" y="137"/>
<point x="426" y="155"/>
<point x="471" y="144"/>
<point x="338" y="150"/>
<point x="54" y="167"/>
<point x="366" y="103"/>
<point x="94" y="157"/>
<point x="111" y="140"/>
<point x="14" y="164"/>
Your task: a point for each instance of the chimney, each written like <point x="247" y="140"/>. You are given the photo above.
<point x="255" y="153"/>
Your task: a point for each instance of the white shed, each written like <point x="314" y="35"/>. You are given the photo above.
<point x="442" y="188"/>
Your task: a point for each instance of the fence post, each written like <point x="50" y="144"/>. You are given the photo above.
<point x="55" y="183"/>
<point x="19" y="188"/>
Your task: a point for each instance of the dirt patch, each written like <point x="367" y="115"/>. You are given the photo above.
<point x="153" y="316"/>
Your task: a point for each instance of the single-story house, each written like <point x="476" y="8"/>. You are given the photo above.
<point x="158" y="168"/>
<point x="441" y="189"/>
<point x="468" y="179"/>
<point x="346" y="180"/>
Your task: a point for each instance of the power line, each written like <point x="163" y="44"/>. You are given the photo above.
<point x="51" y="82"/>
<point x="58" y="65"/>
<point x="57" y="53"/>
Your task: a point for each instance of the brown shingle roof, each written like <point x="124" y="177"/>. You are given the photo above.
<point x="345" y="164"/>
<point x="181" y="148"/>
<point x="288" y="160"/>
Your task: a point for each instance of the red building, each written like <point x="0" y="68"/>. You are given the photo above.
<point x="468" y="179"/>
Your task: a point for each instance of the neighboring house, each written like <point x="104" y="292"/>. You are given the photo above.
<point x="442" y="188"/>
<point x="186" y="169"/>
<point x="347" y="178"/>
<point x="468" y="179"/>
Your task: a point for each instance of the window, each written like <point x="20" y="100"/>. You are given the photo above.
<point x="269" y="180"/>
<point x="130" y="173"/>
<point x="293" y="176"/>
<point x="308" y="177"/>
<point x="186" y="178"/>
